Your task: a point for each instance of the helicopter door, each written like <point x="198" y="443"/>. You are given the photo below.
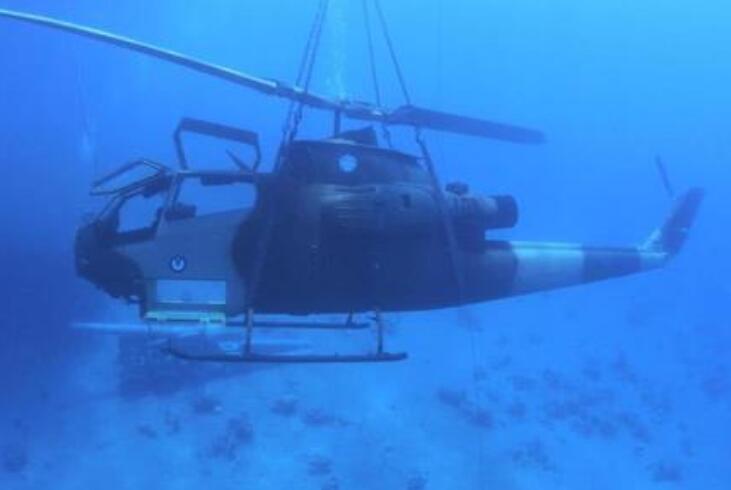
<point x="189" y="271"/>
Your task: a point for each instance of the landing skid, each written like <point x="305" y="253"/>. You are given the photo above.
<point x="247" y="352"/>
<point x="233" y="342"/>
<point x="348" y="325"/>
<point x="291" y="358"/>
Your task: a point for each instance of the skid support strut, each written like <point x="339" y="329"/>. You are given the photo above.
<point x="379" y="331"/>
<point x="249" y="330"/>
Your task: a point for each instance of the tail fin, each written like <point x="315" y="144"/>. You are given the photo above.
<point x="671" y="236"/>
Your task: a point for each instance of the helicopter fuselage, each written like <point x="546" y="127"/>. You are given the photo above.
<point x="338" y="226"/>
<point x="351" y="227"/>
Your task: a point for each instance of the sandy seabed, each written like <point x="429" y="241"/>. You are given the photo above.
<point x="499" y="404"/>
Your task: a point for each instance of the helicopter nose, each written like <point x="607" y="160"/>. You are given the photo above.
<point x="85" y="244"/>
<point x="100" y="263"/>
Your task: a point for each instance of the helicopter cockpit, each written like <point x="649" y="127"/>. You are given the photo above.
<point x="137" y="193"/>
<point x="143" y="193"/>
<point x="147" y="236"/>
<point x="135" y="210"/>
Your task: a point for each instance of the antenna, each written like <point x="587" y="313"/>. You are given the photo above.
<point x="664" y="176"/>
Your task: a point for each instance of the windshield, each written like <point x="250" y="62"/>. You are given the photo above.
<point x="134" y="215"/>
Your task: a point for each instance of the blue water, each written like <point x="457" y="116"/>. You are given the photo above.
<point x="625" y="384"/>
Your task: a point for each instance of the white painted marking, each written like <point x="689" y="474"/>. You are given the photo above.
<point x="653" y="259"/>
<point x="547" y="266"/>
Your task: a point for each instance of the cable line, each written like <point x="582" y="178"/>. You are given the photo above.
<point x="392" y="52"/>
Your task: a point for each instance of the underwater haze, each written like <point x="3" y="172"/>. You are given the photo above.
<point x="622" y="384"/>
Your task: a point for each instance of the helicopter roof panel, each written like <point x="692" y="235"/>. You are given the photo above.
<point x="341" y="146"/>
<point x="129" y="176"/>
<point x="343" y="162"/>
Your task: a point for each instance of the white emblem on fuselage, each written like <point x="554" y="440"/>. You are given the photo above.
<point x="178" y="263"/>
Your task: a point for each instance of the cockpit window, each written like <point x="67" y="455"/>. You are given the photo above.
<point x="140" y="212"/>
<point x="204" y="196"/>
<point x="134" y="215"/>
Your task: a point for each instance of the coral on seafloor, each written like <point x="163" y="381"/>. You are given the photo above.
<point x="331" y="484"/>
<point x="172" y="422"/>
<point x="319" y="465"/>
<point x="666" y="472"/>
<point x="14" y="458"/>
<point x="452" y="398"/>
<point x="205" y="405"/>
<point x="473" y="413"/>
<point x="147" y="431"/>
<point x="321" y="418"/>
<point x="285" y="406"/>
<point x="238" y="432"/>
<point x="416" y="482"/>
<point x="533" y="454"/>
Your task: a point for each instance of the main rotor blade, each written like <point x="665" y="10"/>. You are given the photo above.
<point x="267" y="86"/>
<point x="443" y="121"/>
<point x="405" y="115"/>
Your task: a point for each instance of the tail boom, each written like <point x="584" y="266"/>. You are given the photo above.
<point x="546" y="266"/>
<point x="514" y="268"/>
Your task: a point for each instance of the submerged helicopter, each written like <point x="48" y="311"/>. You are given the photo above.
<point x="340" y="225"/>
